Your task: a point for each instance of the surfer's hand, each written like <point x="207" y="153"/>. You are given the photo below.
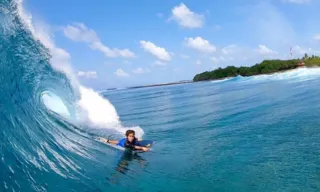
<point x="145" y="149"/>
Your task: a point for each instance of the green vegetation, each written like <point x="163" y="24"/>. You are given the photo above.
<point x="313" y="61"/>
<point x="265" y="67"/>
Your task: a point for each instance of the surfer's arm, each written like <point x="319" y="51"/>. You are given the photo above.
<point x="141" y="148"/>
<point x="114" y="142"/>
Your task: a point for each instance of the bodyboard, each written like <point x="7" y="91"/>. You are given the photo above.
<point x="143" y="143"/>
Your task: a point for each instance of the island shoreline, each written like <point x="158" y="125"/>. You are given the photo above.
<point x="266" y="67"/>
<point x="307" y="62"/>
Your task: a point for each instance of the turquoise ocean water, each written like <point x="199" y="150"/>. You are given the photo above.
<point x="240" y="134"/>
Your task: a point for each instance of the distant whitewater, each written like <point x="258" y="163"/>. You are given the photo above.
<point x="299" y="74"/>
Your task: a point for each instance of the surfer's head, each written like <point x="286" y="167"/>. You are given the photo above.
<point x="130" y="135"/>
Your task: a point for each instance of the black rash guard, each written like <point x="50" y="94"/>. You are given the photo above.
<point x="130" y="145"/>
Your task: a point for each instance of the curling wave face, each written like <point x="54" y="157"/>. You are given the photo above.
<point x="36" y="79"/>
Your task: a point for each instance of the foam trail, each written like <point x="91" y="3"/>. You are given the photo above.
<point x="92" y="108"/>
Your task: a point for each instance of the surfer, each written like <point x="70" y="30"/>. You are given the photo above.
<point x="129" y="142"/>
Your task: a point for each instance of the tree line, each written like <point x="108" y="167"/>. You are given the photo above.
<point x="265" y="67"/>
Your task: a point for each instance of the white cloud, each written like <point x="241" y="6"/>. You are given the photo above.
<point x="298" y="1"/>
<point x="111" y="52"/>
<point x="87" y="74"/>
<point x="186" y="18"/>
<point x="230" y="49"/>
<point x="121" y="73"/>
<point x="159" y="63"/>
<point x="200" y="44"/>
<point x="235" y="52"/>
<point x="141" y="70"/>
<point x="264" y="50"/>
<point x="198" y="62"/>
<point x="221" y="59"/>
<point x="158" y="52"/>
<point x="80" y="33"/>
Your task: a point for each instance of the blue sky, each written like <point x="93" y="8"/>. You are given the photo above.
<point x="119" y="43"/>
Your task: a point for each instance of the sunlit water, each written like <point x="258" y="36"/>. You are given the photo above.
<point x="247" y="134"/>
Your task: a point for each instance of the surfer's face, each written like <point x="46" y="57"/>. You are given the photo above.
<point x="130" y="137"/>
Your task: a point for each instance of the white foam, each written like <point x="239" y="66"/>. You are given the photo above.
<point x="92" y="108"/>
<point x="221" y="80"/>
<point x="299" y="74"/>
<point x="98" y="110"/>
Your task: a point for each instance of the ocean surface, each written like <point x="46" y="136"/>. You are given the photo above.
<point x="258" y="133"/>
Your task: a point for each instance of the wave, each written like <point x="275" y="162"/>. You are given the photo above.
<point x="91" y="108"/>
<point x="46" y="115"/>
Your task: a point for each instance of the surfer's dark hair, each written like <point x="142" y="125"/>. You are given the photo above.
<point x="128" y="132"/>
